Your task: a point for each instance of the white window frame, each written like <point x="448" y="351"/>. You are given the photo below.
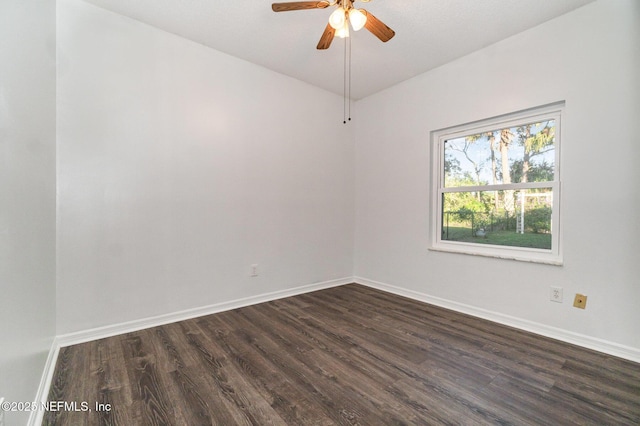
<point x="438" y="137"/>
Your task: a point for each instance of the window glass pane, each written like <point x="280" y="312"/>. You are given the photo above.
<point x="483" y="217"/>
<point x="518" y="154"/>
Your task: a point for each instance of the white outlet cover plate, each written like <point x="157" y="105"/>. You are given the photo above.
<point x="555" y="294"/>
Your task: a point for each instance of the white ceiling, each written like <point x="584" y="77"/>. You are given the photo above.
<point x="429" y="33"/>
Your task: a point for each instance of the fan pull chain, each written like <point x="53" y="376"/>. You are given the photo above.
<point x="349" y="97"/>
<point x="346" y="87"/>
<point x="344" y="84"/>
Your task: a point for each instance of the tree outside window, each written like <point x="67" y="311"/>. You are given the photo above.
<point x="498" y="187"/>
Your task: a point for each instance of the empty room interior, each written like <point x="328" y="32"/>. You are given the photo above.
<point x="217" y="213"/>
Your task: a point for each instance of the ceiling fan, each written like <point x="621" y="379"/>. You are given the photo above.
<point x="338" y="25"/>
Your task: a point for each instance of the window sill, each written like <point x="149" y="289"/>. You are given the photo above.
<point x="520" y="255"/>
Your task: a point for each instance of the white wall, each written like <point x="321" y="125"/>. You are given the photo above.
<point x="180" y="166"/>
<point x="591" y="59"/>
<point x="27" y="196"/>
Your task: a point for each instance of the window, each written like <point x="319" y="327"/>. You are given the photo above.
<point x="496" y="187"/>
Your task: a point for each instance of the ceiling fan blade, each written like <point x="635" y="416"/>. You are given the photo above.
<point x="327" y="37"/>
<point x="377" y="27"/>
<point x="299" y="5"/>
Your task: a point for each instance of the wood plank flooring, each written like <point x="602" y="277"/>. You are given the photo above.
<point x="347" y="355"/>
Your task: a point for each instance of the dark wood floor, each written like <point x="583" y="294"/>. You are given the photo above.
<point x="347" y="355"/>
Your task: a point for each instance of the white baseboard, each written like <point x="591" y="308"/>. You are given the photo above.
<point x="611" y="348"/>
<point x="135" y="325"/>
<point x="35" y="418"/>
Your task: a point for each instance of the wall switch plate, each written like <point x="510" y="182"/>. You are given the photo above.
<point x="580" y="301"/>
<point x="254" y="270"/>
<point x="555" y="294"/>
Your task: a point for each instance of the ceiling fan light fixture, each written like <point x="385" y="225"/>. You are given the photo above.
<point x="337" y="19"/>
<point x="344" y="31"/>
<point x="357" y="19"/>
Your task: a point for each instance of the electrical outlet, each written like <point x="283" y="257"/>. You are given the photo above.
<point x="254" y="270"/>
<point x="555" y="294"/>
<point x="580" y="301"/>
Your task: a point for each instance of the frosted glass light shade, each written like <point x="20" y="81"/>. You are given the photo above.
<point x="357" y="19"/>
<point x="344" y="31"/>
<point x="337" y="18"/>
